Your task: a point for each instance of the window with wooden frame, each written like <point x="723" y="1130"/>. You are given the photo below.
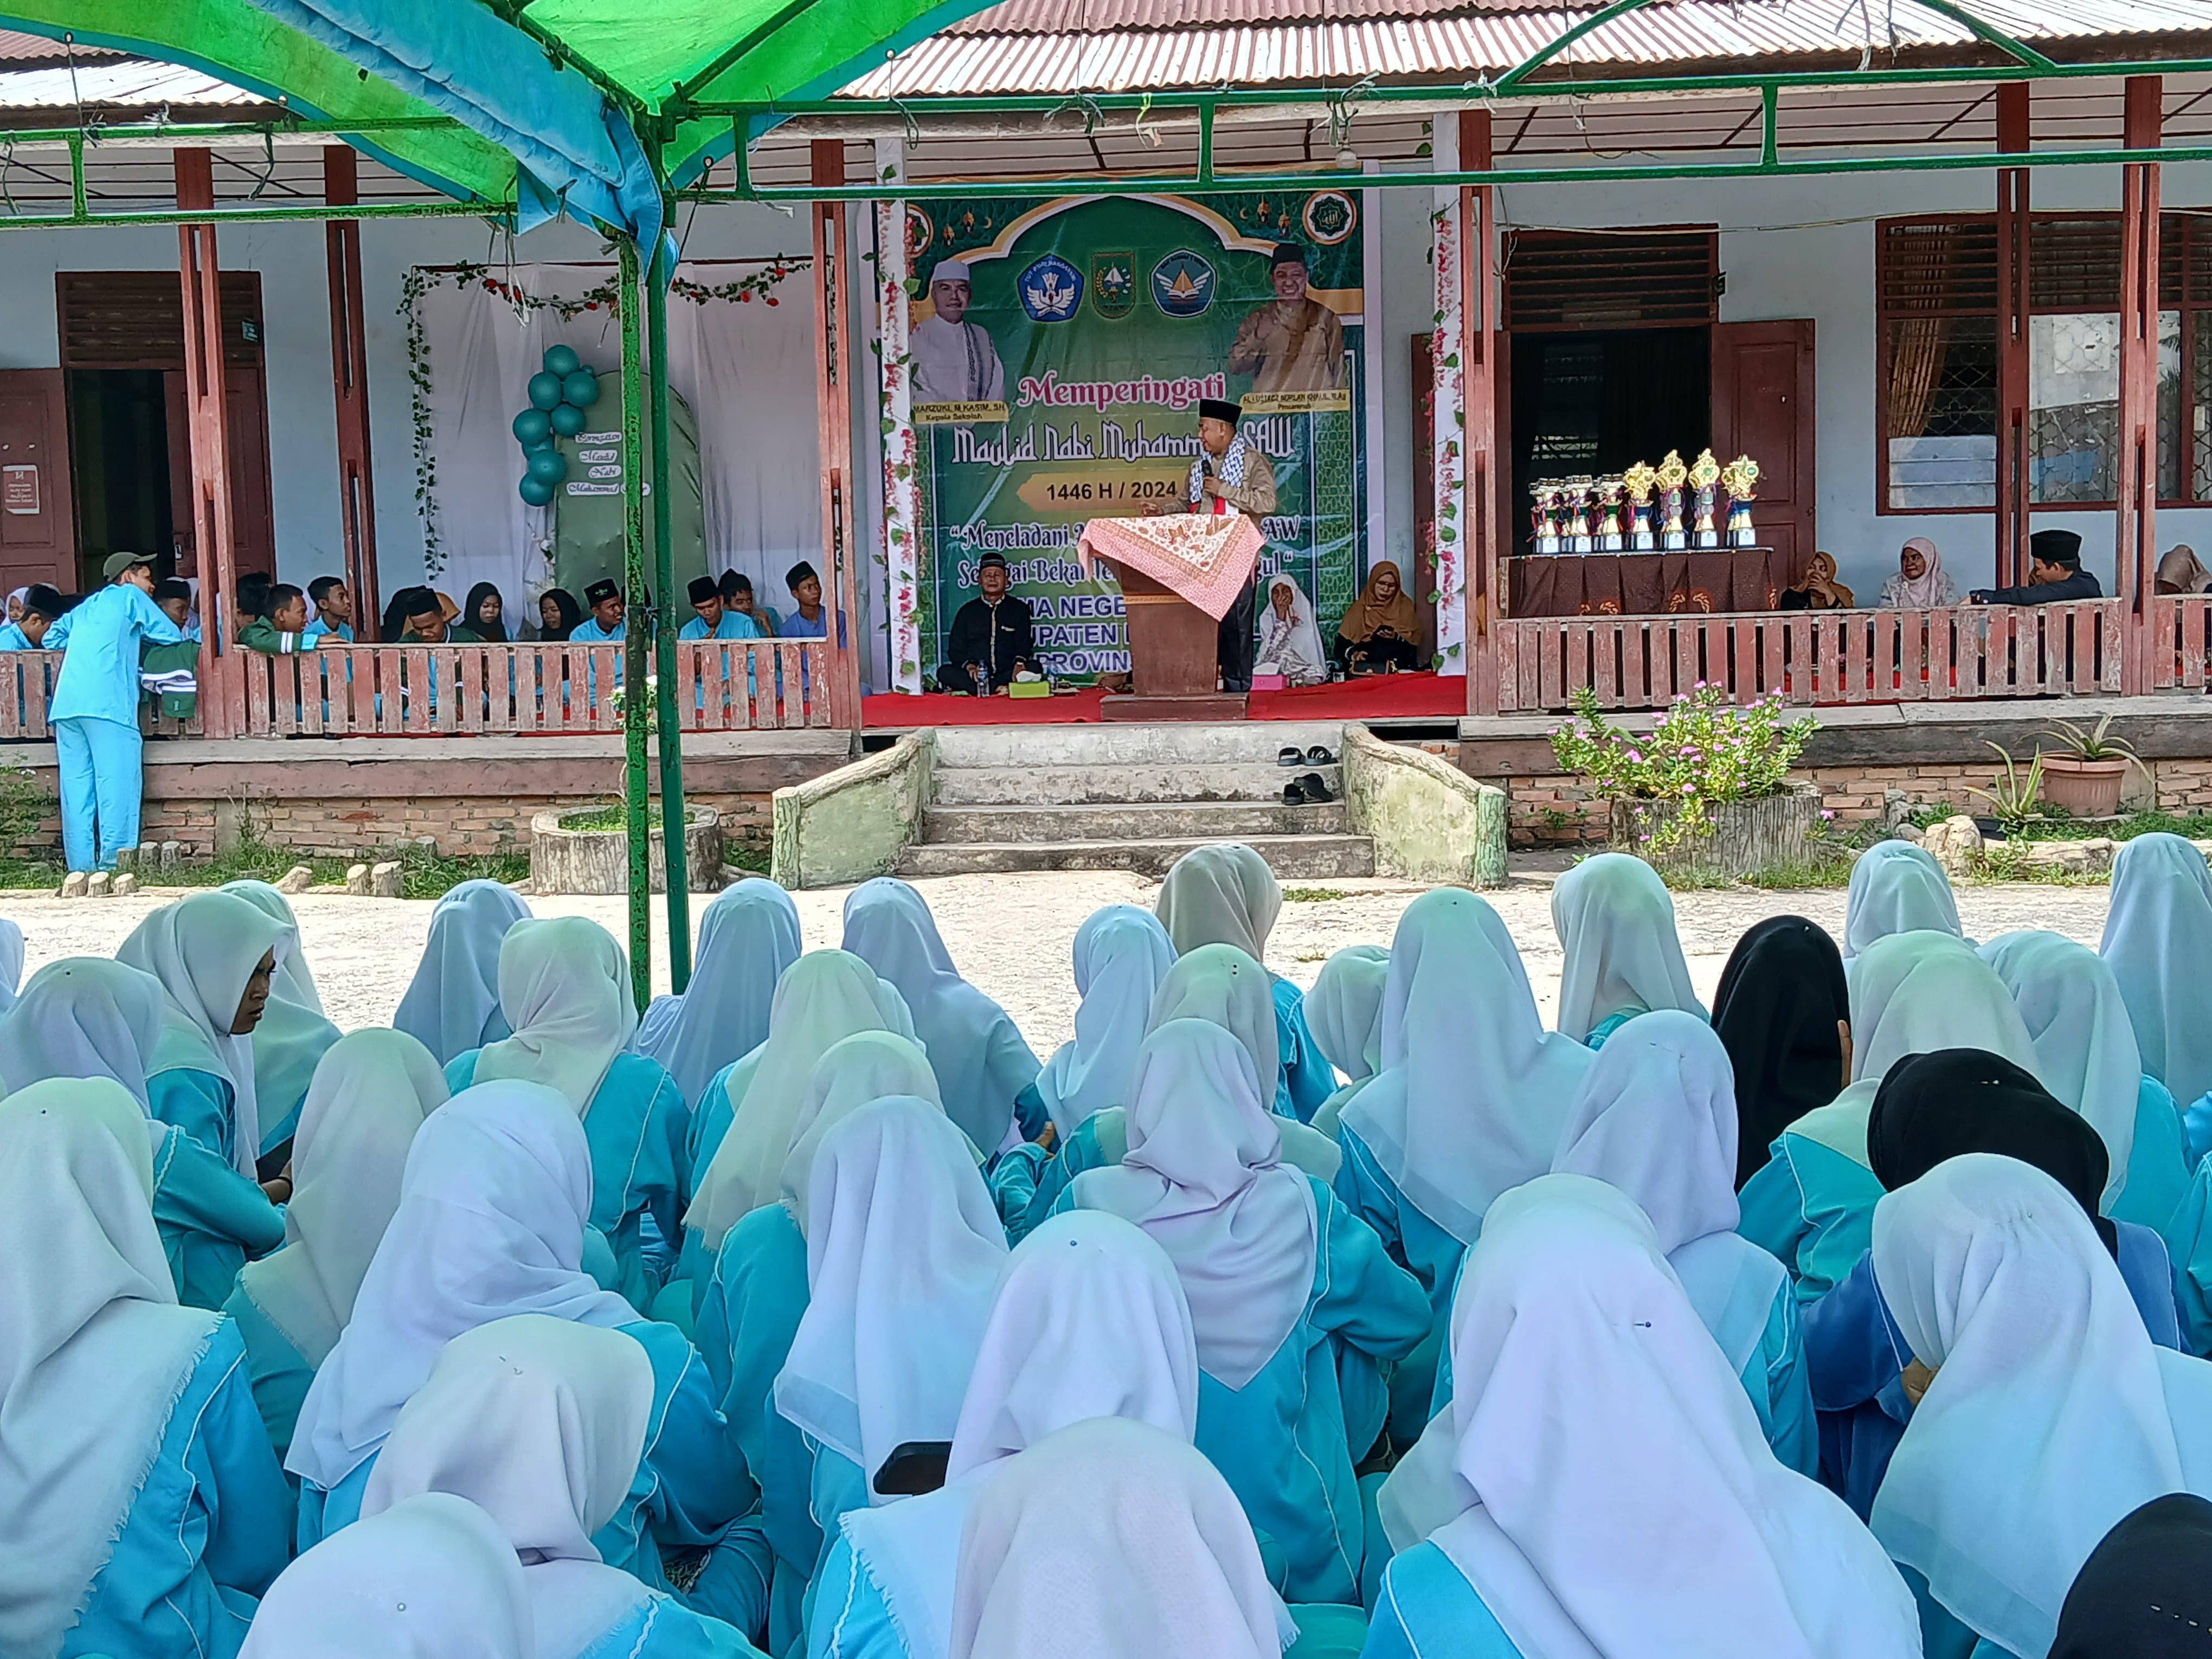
<point x="1935" y="282"/>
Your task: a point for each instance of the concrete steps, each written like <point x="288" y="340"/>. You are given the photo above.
<point x="1310" y="858"/>
<point x="1251" y="781"/>
<point x="1144" y="821"/>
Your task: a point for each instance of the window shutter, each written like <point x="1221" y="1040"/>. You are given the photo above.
<point x="1557" y="279"/>
<point x="136" y="318"/>
<point x="1938" y="268"/>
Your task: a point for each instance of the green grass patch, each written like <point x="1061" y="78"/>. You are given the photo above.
<point x="425" y="874"/>
<point x="750" y="856"/>
<point x="1314" y="895"/>
<point x="615" y="817"/>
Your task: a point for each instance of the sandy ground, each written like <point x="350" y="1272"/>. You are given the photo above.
<point x="1011" y="934"/>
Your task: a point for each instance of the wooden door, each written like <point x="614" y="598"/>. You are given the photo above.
<point x="252" y="513"/>
<point x="38" y="518"/>
<point x="1763" y="407"/>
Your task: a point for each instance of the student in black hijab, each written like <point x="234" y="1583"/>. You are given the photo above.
<point x="2146" y="1591"/>
<point x="558" y="614"/>
<point x="1784" y="1014"/>
<point x="484" y="617"/>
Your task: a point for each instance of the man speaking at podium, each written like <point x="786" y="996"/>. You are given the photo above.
<point x="1230" y="475"/>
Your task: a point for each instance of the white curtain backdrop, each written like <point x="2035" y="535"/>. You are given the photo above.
<point x="747" y="370"/>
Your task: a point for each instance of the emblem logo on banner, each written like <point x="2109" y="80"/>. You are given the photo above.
<point x="1114" y="285"/>
<point x="918" y="230"/>
<point x="1330" y="216"/>
<point x="1182" y="284"/>
<point x="1050" y="290"/>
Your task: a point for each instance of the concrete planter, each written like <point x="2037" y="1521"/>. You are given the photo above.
<point x="597" y="861"/>
<point x="2085" y="788"/>
<point x="1748" y="836"/>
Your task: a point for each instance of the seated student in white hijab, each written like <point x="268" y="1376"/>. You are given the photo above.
<point x="141" y="1511"/>
<point x="747" y="937"/>
<point x="294" y="1033"/>
<point x="452" y="1004"/>
<point x="371" y="1093"/>
<point x="11" y="963"/>
<point x="1610" y="1494"/>
<point x="2158" y="942"/>
<point x="1615" y="921"/>
<point x="86" y="1017"/>
<point x="754" y="1299"/>
<point x="977" y="1051"/>
<point x="1897" y="888"/>
<point x="490" y="1223"/>
<point x="1111" y="1540"/>
<point x="1121" y="954"/>
<point x="1290" y="644"/>
<point x="215" y="955"/>
<point x="1280" y="1278"/>
<point x="1224" y="894"/>
<point x="2045" y="1415"/>
<point x="1912" y="993"/>
<point x="1344" y="1012"/>
<point x="1471" y="1097"/>
<point x="540" y="1423"/>
<point x="564" y="989"/>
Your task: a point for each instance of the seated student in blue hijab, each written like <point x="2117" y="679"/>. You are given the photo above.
<point x="86" y="1017"/>
<point x="2157" y="943"/>
<point x="1607" y="1490"/>
<point x="1344" y="1012"/>
<point x="564" y="992"/>
<point x="1121" y="954"/>
<point x="141" y="1510"/>
<point x="1225" y="894"/>
<point x="1279" y="1277"/>
<point x="452" y="1004"/>
<point x="1619" y="954"/>
<point x="293" y="1034"/>
<point x="748" y="936"/>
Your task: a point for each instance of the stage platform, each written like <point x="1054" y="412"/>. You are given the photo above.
<point x="1383" y="696"/>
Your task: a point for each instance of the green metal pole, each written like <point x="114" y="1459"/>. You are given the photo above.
<point x="637" y="708"/>
<point x="666" y="611"/>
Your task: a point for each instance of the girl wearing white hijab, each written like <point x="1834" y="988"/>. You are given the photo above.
<point x="747" y="937"/>
<point x="1290" y="644"/>
<point x="1111" y="1540"/>
<point x="1121" y="955"/>
<point x="1224" y="893"/>
<point x="1616" y="925"/>
<point x="490" y="1223"/>
<point x="140" y="1508"/>
<point x="541" y="1424"/>
<point x="1344" y="1012"/>
<point x="1279" y="1277"/>
<point x="1089" y="1320"/>
<point x="452" y="1004"/>
<point x="2049" y="1415"/>
<point x="1912" y="993"/>
<point x="294" y="1033"/>
<point x="1897" y="888"/>
<point x="215" y="955"/>
<point x="977" y="1051"/>
<point x="2158" y="942"/>
<point x="11" y="963"/>
<point x="564" y="989"/>
<point x="369" y="1096"/>
<point x="1612" y="1495"/>
<point x="86" y="1017"/>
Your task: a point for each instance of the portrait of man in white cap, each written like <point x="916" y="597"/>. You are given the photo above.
<point x="954" y="360"/>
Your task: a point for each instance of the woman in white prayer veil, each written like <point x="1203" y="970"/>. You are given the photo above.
<point x="2049" y="1414"/>
<point x="370" y="1095"/>
<point x="86" y="1017"/>
<point x="1290" y="644"/>
<point x="1897" y="888"/>
<point x="747" y="937"/>
<point x="1121" y="955"/>
<point x="128" y="1425"/>
<point x="294" y="1033"/>
<point x="452" y="1005"/>
<point x="1615" y="921"/>
<point x="1611" y="1496"/>
<point x="1344" y="1012"/>
<point x="564" y="988"/>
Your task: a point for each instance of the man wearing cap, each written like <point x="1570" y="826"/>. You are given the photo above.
<point x="1230" y="475"/>
<point x="993" y="637"/>
<point x="95" y="711"/>
<point x="711" y="619"/>
<point x="954" y="360"/>
<point x="808" y="619"/>
<point x="1292" y="342"/>
<point x="2054" y="574"/>
<point x="604" y="599"/>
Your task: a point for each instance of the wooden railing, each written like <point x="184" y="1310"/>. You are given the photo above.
<point x="27" y="682"/>
<point x="2180" y="639"/>
<point x="1829" y="657"/>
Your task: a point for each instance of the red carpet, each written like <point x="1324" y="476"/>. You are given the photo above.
<point x="1389" y="696"/>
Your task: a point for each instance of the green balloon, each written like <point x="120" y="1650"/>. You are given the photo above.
<point x="531" y="426"/>
<point x="581" y="388"/>
<point x="536" y="492"/>
<point x="568" y="419"/>
<point x="544" y="390"/>
<point x="563" y="360"/>
<point x="550" y="466"/>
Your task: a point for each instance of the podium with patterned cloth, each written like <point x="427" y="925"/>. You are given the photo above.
<point x="1179" y="574"/>
<point x="1732" y="580"/>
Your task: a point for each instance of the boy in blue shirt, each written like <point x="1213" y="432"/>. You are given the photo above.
<point x="42" y="608"/>
<point x="333" y="608"/>
<point x="604" y="599"/>
<point x="95" y="712"/>
<point x="736" y="590"/>
<point x="713" y="621"/>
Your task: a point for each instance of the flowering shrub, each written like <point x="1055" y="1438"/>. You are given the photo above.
<point x="1703" y="752"/>
<point x="621" y="704"/>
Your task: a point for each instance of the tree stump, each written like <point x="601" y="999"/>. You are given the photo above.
<point x="597" y="861"/>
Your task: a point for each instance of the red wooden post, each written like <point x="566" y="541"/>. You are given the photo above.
<point x="833" y="334"/>
<point x="349" y="380"/>
<point x="1483" y="476"/>
<point x="2135" y="525"/>
<point x="2013" y="249"/>
<point x="221" y="685"/>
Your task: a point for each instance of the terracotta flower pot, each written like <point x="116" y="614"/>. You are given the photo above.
<point x="2086" y="788"/>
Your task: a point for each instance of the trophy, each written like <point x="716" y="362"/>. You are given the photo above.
<point x="1704" y="478"/>
<point x="1608" y="528"/>
<point x="1738" y="477"/>
<point x="1545" y="516"/>
<point x="1577" y="532"/>
<point x="1638" y="481"/>
<point x="1671" y="475"/>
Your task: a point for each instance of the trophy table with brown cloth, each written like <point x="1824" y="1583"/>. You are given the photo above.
<point x="1725" y="579"/>
<point x="1179" y="574"/>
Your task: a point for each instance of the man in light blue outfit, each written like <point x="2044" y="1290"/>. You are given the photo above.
<point x="712" y="620"/>
<point x="607" y="620"/>
<point x="96" y="712"/>
<point x="333" y="608"/>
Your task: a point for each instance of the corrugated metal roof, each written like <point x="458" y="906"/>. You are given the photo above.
<point x="1100" y="16"/>
<point x="1416" y="43"/>
<point x="118" y="83"/>
<point x="17" y="47"/>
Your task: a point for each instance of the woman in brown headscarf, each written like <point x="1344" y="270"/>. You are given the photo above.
<point x="1820" y="591"/>
<point x="1381" y="633"/>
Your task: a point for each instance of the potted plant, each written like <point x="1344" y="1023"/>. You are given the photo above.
<point x="2084" y="778"/>
<point x="2011" y="795"/>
